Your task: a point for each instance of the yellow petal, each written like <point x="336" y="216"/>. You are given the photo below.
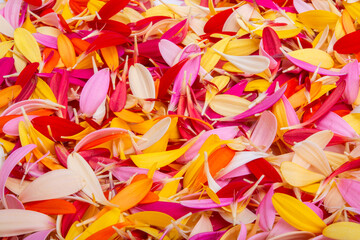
<point x="297" y="214"/>
<point x="153" y="218"/>
<point x="257" y="85"/>
<point x="353" y="119"/>
<point x="220" y="82"/>
<point x="153" y="232"/>
<point x="242" y="47"/>
<point x="211" y="58"/>
<point x="229" y="105"/>
<point x="74" y="231"/>
<point x="94" y="6"/>
<point x="318" y="19"/>
<point x="66" y="51"/>
<point x="43" y="91"/>
<point x="129" y="116"/>
<point x="110" y="218"/>
<point x="5" y="47"/>
<point x="314" y="57"/>
<point x="312" y="188"/>
<point x="298" y="176"/>
<point x="161" y="159"/>
<point x="353" y="9"/>
<point x="27" y="45"/>
<point x="343" y="230"/>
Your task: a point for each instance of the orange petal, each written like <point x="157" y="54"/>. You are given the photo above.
<point x="66" y="51"/>
<point x="51" y="207"/>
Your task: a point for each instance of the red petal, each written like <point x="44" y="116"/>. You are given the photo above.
<point x="233" y="189"/>
<point x="69" y="219"/>
<point x="27" y="90"/>
<point x="107" y="40"/>
<point x="145" y="22"/>
<point x="59" y="127"/>
<point x="36" y="3"/>
<point x="350" y="43"/>
<point x="271" y="42"/>
<point x="111" y="8"/>
<point x="111" y="25"/>
<point x="118" y="97"/>
<point x="216" y="23"/>
<point x="261" y="167"/>
<point x="26" y="74"/>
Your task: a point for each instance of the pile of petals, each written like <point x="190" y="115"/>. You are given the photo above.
<point x="180" y="119"/>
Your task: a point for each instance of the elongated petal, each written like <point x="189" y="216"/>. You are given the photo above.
<point x="17" y="222"/>
<point x="342" y="230"/>
<point x="111" y="8"/>
<point x="27" y="45"/>
<point x="92" y="186"/>
<point x="66" y="51"/>
<point x="258" y="137"/>
<point x="10" y="163"/>
<point x="349" y="190"/>
<point x="297" y="214"/>
<point x="94" y="92"/>
<point x="266" y="211"/>
<point x="41" y="235"/>
<point x="54" y="184"/>
<point x="142" y="85"/>
<point x="298" y="176"/>
<point x="337" y="124"/>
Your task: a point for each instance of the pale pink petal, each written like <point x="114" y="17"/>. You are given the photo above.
<point x="264" y="139"/>
<point x="224" y="133"/>
<point x="242" y="233"/>
<point x="9" y="164"/>
<point x="29" y="106"/>
<point x="12" y="127"/>
<point x="337" y="124"/>
<point x="94" y="92"/>
<point x="15" y="222"/>
<point x="260" y="236"/>
<point x="12" y="11"/>
<point x="169" y="51"/>
<point x="267" y="211"/>
<point x="281" y="227"/>
<point x="301" y="6"/>
<point x="350" y="191"/>
<point x="190" y="68"/>
<point x="41" y="235"/>
<point x="54" y="184"/>
<point x="237" y="172"/>
<point x="46" y="40"/>
<point x="352" y="81"/>
<point x="202" y="226"/>
<point x="99" y="134"/>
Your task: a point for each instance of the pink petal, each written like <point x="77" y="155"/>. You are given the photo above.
<point x="177" y="33"/>
<point x="206" y="203"/>
<point x="265" y="104"/>
<point x="337" y="124"/>
<point x="237" y="89"/>
<point x="261" y="138"/>
<point x="46" y="40"/>
<point x="13" y="202"/>
<point x="9" y="164"/>
<point x="224" y="133"/>
<point x="315" y="208"/>
<point x="291" y="116"/>
<point x="242" y="233"/>
<point x="267" y="211"/>
<point x="125" y="173"/>
<point x="12" y="11"/>
<point x="312" y="68"/>
<point x="41" y="235"/>
<point x="94" y="92"/>
<point x="208" y="236"/>
<point x="281" y="227"/>
<point x="352" y="81"/>
<point x="350" y="191"/>
<point x="12" y="127"/>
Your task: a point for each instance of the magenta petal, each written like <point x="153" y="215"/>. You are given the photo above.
<point x="46" y="40"/>
<point x="208" y="236"/>
<point x="352" y="81"/>
<point x="175" y="210"/>
<point x="7" y="65"/>
<point x="337" y="124"/>
<point x="206" y="203"/>
<point x="9" y="164"/>
<point x="237" y="89"/>
<point x="94" y="92"/>
<point x="177" y="33"/>
<point x="311" y="68"/>
<point x="125" y="173"/>
<point x="350" y="191"/>
<point x="267" y="211"/>
<point x="291" y="115"/>
<point x="265" y="104"/>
